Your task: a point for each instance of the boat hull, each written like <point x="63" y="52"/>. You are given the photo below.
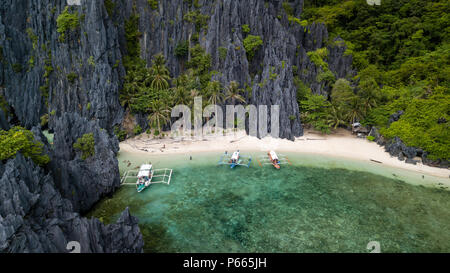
<point x="274" y="162"/>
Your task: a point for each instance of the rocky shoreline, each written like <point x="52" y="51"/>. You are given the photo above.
<point x="71" y="87"/>
<point x="411" y="155"/>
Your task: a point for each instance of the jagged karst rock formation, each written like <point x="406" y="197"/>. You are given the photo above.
<point x="285" y="45"/>
<point x="4" y="125"/>
<point x="83" y="73"/>
<point x="412" y="155"/>
<point x="36" y="64"/>
<point x="35" y="218"/>
<point x="84" y="182"/>
<point x="73" y="80"/>
<point x="76" y="82"/>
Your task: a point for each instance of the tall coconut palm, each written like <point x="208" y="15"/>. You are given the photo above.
<point x="159" y="60"/>
<point x="181" y="95"/>
<point x="159" y="73"/>
<point x="213" y="91"/>
<point x="160" y="80"/>
<point x="336" y="117"/>
<point x="367" y="104"/>
<point x="159" y="115"/>
<point x="126" y="98"/>
<point x="233" y="92"/>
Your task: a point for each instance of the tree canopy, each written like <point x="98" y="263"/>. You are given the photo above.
<point x="18" y="139"/>
<point x="402" y="52"/>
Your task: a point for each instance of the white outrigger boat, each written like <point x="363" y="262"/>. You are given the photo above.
<point x="147" y="176"/>
<point x="273" y="159"/>
<point x="235" y="159"/>
<point x="144" y="177"/>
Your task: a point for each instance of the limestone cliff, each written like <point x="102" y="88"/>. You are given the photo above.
<point x="71" y="74"/>
<point x="35" y="218"/>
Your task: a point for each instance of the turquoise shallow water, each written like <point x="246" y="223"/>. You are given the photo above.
<point x="318" y="204"/>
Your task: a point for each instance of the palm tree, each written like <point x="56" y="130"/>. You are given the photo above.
<point x="159" y="80"/>
<point x="180" y="95"/>
<point x="368" y="103"/>
<point x="213" y="91"/>
<point x="159" y="73"/>
<point x="125" y="98"/>
<point x="233" y="92"/>
<point x="182" y="80"/>
<point x="335" y="117"/>
<point x="159" y="115"/>
<point x="159" y="60"/>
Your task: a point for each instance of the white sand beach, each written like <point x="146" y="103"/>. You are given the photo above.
<point x="341" y="144"/>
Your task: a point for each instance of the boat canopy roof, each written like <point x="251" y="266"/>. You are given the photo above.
<point x="146" y="167"/>
<point x="145" y="170"/>
<point x="273" y="155"/>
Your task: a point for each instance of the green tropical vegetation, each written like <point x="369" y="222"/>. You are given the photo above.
<point x="400" y="49"/>
<point x="153" y="91"/>
<point x="402" y="52"/>
<point x="4" y="106"/>
<point x="18" y="139"/>
<point x="85" y="145"/>
<point x="110" y="6"/>
<point x="67" y="21"/>
<point x="234" y="93"/>
<point x="251" y="45"/>
<point x="153" y="4"/>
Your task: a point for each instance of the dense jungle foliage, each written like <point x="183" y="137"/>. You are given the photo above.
<point x="402" y="52"/>
<point x="400" y="49"/>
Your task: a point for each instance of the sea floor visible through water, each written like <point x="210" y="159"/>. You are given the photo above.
<point x="316" y="204"/>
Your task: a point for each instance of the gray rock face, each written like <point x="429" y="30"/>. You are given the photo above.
<point x="269" y="74"/>
<point x="395" y="117"/>
<point x="4" y="125"/>
<point x="77" y="81"/>
<point x="84" y="182"/>
<point x="91" y="54"/>
<point x="35" y="218"/>
<point x="397" y="147"/>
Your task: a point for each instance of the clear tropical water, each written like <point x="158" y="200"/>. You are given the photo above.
<point x="318" y="204"/>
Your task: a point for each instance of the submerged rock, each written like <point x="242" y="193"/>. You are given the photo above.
<point x="35" y="218"/>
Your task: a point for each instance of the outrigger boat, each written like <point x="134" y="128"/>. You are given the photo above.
<point x="273" y="159"/>
<point x="235" y="159"/>
<point x="147" y="176"/>
<point x="144" y="177"/>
